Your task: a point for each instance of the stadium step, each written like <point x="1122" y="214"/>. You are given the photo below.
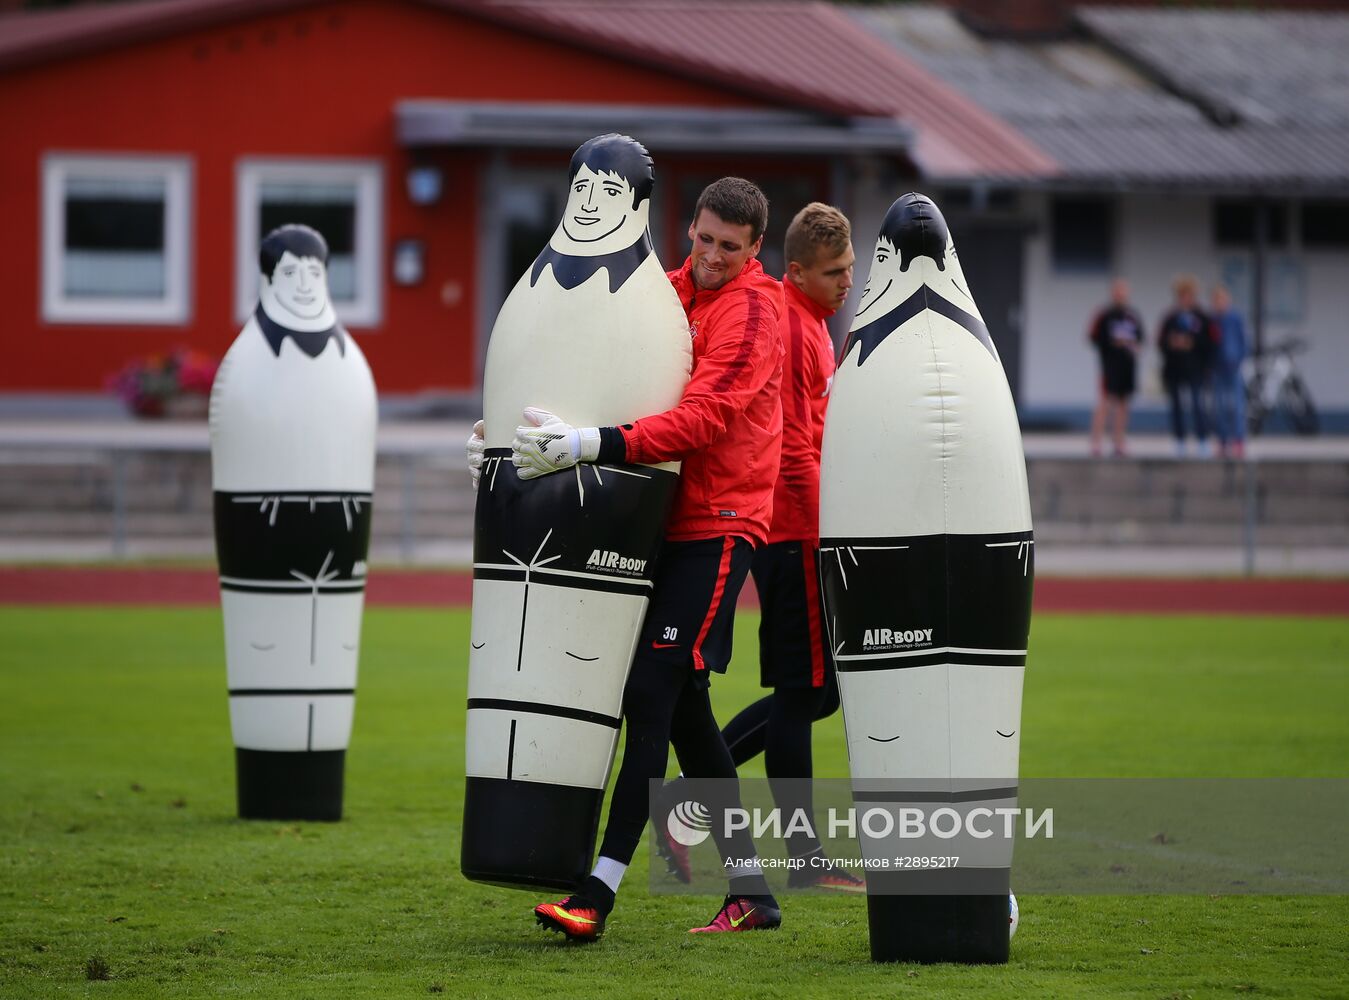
<point x="423" y="502"/>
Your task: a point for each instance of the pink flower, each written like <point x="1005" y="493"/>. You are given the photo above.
<point x="147" y="384"/>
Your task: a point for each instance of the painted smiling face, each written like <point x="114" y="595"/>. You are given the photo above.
<point x="295" y="293"/>
<point x="882" y="290"/>
<point x="300" y="286"/>
<point x="600" y="216"/>
<point x="914" y="248"/>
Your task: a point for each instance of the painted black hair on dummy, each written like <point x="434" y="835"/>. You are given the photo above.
<point x="617" y="154"/>
<point x="299" y="240"/>
<point x="915" y="228"/>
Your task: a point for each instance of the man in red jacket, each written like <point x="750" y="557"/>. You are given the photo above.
<point x="794" y="655"/>
<point x="727" y="430"/>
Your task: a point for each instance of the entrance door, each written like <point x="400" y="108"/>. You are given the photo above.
<point x="991" y="257"/>
<point x="531" y="207"/>
<point x="521" y="206"/>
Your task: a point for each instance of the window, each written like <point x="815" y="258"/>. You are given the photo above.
<point x="343" y="200"/>
<point x="1082" y="234"/>
<point x="1325" y="224"/>
<point x="1285" y="285"/>
<point x="1234" y="223"/>
<point x="116" y="239"/>
<point x="968" y="199"/>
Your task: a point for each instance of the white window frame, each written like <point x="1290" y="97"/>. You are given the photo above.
<point x="174" y="307"/>
<point x="367" y="309"/>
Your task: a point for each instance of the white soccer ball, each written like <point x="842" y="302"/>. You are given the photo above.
<point x="1013" y="915"/>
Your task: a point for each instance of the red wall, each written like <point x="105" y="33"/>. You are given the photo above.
<point x="319" y="81"/>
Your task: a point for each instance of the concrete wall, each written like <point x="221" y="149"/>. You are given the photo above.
<point x="1327" y="328"/>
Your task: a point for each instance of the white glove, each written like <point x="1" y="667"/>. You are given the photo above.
<point x="545" y="443"/>
<point x="475" y="446"/>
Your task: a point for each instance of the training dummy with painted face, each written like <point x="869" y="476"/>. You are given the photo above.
<point x="927" y="563"/>
<point x="563" y="564"/>
<point x="293" y="414"/>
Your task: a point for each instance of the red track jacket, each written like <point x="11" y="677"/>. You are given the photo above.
<point x="805" y="394"/>
<point x="727" y="427"/>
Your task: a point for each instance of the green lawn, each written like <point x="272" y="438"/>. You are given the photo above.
<point x="118" y="842"/>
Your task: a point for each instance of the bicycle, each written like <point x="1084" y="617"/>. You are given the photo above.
<point x="1273" y="383"/>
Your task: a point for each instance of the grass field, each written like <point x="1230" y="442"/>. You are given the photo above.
<point x="120" y="855"/>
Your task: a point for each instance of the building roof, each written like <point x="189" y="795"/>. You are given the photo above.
<point x="549" y="125"/>
<point x="1265" y="68"/>
<point x="1156" y="98"/>
<point x="29" y="37"/>
<point x="800" y="55"/>
<point x="807" y="54"/>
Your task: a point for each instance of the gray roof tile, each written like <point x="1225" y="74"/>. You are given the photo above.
<point x="1110" y="108"/>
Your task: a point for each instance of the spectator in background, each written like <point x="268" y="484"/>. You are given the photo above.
<point x="1184" y="342"/>
<point x="1117" y="333"/>
<point x="1228" y="335"/>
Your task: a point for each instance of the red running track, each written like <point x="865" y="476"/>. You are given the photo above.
<point x="443" y="588"/>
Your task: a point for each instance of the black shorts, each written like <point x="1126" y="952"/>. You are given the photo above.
<point x="692" y="613"/>
<point x="1118" y="376"/>
<point x="793" y="642"/>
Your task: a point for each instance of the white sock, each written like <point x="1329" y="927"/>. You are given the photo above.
<point x="610" y="872"/>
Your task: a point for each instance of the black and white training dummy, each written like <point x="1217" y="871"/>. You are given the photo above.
<point x="293" y="417"/>
<point x="563" y="564"/>
<point x="927" y="563"/>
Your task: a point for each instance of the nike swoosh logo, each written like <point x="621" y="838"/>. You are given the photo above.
<point x="665" y="645"/>
<point x="565" y="915"/>
<point x="743" y="917"/>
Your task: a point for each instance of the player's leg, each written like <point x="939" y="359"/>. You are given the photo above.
<point x="789" y="763"/>
<point x="793" y="711"/>
<point x="714" y="573"/>
<point x="795" y="659"/>
<point x="703" y="754"/>
<point x="747" y="730"/>
<point x="829" y="702"/>
<point x="696" y="584"/>
<point x="648" y="707"/>
<point x="745" y="733"/>
<point x="793" y="655"/>
<point x="749" y="905"/>
<point x="744" y="738"/>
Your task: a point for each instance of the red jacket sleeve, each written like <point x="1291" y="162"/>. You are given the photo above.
<point x="799" y="463"/>
<point x="742" y="351"/>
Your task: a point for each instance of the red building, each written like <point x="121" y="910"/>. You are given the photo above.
<point x="148" y="145"/>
